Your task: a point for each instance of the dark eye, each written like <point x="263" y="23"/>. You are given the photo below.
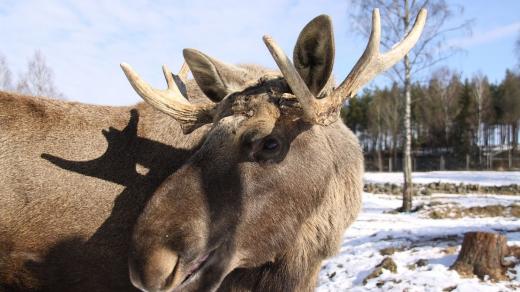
<point x="271" y="144"/>
<point x="269" y="148"/>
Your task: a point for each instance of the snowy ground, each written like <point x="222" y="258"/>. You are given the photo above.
<point x="484" y="178"/>
<point x="417" y="237"/>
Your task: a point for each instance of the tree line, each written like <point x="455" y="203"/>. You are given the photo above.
<point x="456" y="123"/>
<point x="36" y="80"/>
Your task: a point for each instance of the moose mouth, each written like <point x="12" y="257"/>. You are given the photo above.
<point x="194" y="271"/>
<point x="196" y="266"/>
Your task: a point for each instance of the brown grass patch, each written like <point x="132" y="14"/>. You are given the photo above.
<point x="451" y="210"/>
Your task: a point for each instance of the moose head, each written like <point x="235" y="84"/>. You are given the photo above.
<point x="278" y="177"/>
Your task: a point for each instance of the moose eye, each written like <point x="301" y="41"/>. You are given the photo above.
<point x="270" y="144"/>
<point x="262" y="149"/>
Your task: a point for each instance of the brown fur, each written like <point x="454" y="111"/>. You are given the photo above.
<point x="82" y="187"/>
<point x="69" y="186"/>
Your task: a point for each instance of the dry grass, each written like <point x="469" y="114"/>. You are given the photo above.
<point x="435" y="210"/>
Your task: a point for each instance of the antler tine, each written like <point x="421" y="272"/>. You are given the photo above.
<point x="172" y="86"/>
<point x="293" y="78"/>
<point x="183" y="72"/>
<point x="372" y="62"/>
<point x="326" y="110"/>
<point x="171" y="101"/>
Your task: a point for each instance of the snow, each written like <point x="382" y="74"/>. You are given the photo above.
<point x="419" y="237"/>
<point x="484" y="178"/>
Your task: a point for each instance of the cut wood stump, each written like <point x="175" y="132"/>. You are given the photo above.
<point x="482" y="254"/>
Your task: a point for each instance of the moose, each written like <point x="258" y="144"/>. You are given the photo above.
<point x="240" y="179"/>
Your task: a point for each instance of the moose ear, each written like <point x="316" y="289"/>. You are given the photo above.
<point x="212" y="76"/>
<point x="313" y="54"/>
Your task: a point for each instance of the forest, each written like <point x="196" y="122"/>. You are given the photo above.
<point x="457" y="123"/>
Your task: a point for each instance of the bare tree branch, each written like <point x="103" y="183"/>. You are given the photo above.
<point x="517" y="50"/>
<point x="5" y="75"/>
<point x="431" y="48"/>
<point x="38" y="80"/>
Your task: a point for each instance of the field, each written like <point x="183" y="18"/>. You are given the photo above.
<point x="425" y="243"/>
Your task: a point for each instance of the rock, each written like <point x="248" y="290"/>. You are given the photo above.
<point x="426" y="191"/>
<point x="436" y="215"/>
<point x="453" y="188"/>
<point x="450" y="250"/>
<point x="388" y="251"/>
<point x="515" y="210"/>
<point x="332" y="275"/>
<point x="387" y="264"/>
<point x="419" y="263"/>
<point x="395" y="189"/>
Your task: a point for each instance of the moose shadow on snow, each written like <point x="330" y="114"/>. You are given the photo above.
<point x="100" y="263"/>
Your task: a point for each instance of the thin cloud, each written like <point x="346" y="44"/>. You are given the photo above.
<point x="480" y="38"/>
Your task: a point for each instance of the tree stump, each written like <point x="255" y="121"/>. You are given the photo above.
<point x="482" y="254"/>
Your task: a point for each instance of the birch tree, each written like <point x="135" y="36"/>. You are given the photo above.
<point x="481" y="94"/>
<point x="397" y="18"/>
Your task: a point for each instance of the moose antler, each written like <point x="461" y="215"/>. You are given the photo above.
<point x="184" y="71"/>
<point x="326" y="110"/>
<point x="171" y="101"/>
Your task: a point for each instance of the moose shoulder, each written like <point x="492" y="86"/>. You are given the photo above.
<point x="249" y="190"/>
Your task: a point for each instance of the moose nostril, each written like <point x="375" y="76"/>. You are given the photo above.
<point x="156" y="271"/>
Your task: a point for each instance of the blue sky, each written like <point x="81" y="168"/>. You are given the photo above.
<point x="84" y="41"/>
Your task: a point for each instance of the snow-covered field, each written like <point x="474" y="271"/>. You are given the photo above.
<point x="484" y="178"/>
<point x="435" y="243"/>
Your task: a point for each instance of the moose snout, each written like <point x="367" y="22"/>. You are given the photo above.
<point x="154" y="272"/>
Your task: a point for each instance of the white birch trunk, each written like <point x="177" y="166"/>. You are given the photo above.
<point x="407" y="159"/>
